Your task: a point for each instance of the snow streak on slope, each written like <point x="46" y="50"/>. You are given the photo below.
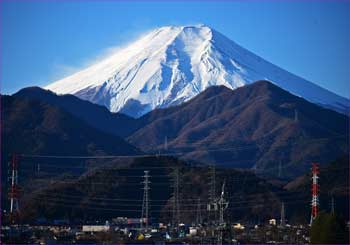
<point x="172" y="64"/>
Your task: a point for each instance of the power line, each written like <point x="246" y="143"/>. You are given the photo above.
<point x="206" y="142"/>
<point x="218" y="147"/>
<point x="256" y="205"/>
<point x="248" y="197"/>
<point x="92" y="157"/>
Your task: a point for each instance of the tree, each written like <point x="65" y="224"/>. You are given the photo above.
<point x="329" y="229"/>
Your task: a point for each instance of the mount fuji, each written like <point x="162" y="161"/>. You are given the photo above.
<point x="172" y="64"/>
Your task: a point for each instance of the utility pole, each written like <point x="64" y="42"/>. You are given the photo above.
<point x="223" y="204"/>
<point x="14" y="190"/>
<point x="315" y="190"/>
<point x="176" y="212"/>
<point x="283" y="218"/>
<point x="145" y="202"/>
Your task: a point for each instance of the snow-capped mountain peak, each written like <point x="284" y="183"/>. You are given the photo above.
<point x="172" y="64"/>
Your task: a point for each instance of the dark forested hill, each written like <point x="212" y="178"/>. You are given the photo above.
<point x="92" y="114"/>
<point x="257" y="126"/>
<point x="35" y="127"/>
<point x="116" y="190"/>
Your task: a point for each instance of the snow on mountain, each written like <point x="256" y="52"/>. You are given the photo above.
<point x="172" y="64"/>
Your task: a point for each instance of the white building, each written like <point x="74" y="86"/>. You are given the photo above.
<point x="95" y="228"/>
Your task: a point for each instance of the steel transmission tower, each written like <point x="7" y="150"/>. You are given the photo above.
<point x="199" y="212"/>
<point x="176" y="212"/>
<point x="212" y="191"/>
<point x="14" y="189"/>
<point x="212" y="205"/>
<point x="145" y="202"/>
<point x="315" y="190"/>
<point x="223" y="205"/>
<point x="283" y="216"/>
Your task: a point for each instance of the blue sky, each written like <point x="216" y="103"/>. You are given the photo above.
<point x="45" y="40"/>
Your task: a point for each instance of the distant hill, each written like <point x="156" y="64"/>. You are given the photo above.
<point x="35" y="127"/>
<point x="116" y="191"/>
<point x="30" y="126"/>
<point x="66" y="188"/>
<point x="257" y="126"/>
<point x="92" y="114"/>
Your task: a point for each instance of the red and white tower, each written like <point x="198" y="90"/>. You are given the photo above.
<point x="14" y="189"/>
<point x="315" y="190"/>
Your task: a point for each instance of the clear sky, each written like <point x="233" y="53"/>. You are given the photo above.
<point x="44" y="40"/>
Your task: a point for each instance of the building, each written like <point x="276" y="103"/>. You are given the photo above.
<point x="272" y="222"/>
<point x="95" y="228"/>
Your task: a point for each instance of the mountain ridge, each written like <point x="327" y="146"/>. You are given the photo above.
<point x="95" y="115"/>
<point x="252" y="127"/>
<point x="32" y="126"/>
<point x="249" y="127"/>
